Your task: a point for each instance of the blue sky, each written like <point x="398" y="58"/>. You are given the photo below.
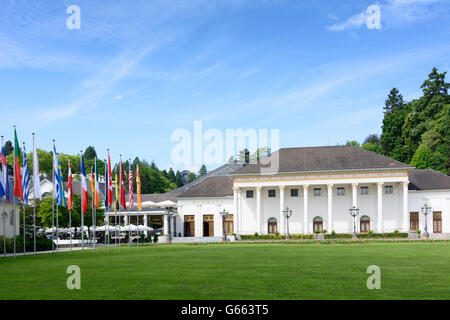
<point x="136" y="71"/>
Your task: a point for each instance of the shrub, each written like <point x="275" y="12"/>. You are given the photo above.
<point x="324" y="231"/>
<point x="277" y="235"/>
<point x="317" y="232"/>
<point x="256" y="234"/>
<point x="155" y="238"/>
<point x="42" y="244"/>
<point x="418" y="231"/>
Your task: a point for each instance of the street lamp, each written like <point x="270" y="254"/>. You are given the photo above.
<point x="426" y="210"/>
<point x="287" y="214"/>
<point x="169" y="215"/>
<point x="354" y="212"/>
<point x="224" y="213"/>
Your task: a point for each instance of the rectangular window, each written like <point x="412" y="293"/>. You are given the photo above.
<point x="317" y="192"/>
<point x="249" y="193"/>
<point x="364" y="191"/>
<point x="388" y="190"/>
<point x="341" y="191"/>
<point x="294" y="192"/>
<point x="271" y="193"/>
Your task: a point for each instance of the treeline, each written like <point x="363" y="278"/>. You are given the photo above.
<point x="153" y="180"/>
<point x="416" y="132"/>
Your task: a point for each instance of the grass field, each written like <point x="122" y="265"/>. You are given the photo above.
<point x="235" y="271"/>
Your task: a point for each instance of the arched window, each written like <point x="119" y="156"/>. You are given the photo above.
<point x="317" y="224"/>
<point x="364" y="224"/>
<point x="272" y="226"/>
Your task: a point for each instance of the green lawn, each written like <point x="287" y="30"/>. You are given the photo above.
<point x="235" y="271"/>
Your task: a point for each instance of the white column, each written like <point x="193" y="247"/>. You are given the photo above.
<point x="125" y="218"/>
<point x="258" y="210"/>
<point x="380" y="206"/>
<point x="282" y="207"/>
<point x="355" y="194"/>
<point x="146" y="224"/>
<point x="305" y="209"/>
<point x="330" y="207"/>
<point x="405" y="207"/>
<point x="236" y="210"/>
<point x="166" y="225"/>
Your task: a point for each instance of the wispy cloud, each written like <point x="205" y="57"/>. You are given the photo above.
<point x="393" y="12"/>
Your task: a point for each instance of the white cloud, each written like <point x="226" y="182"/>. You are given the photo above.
<point x="393" y="12"/>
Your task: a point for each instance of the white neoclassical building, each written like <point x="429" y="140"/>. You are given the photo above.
<point x="319" y="185"/>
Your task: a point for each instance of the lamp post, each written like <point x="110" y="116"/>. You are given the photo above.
<point x="287" y="214"/>
<point x="426" y="210"/>
<point x="169" y="215"/>
<point x="354" y="212"/>
<point x="224" y="213"/>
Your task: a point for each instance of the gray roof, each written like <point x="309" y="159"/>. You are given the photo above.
<point x="220" y="186"/>
<point x="323" y="159"/>
<point x="427" y="179"/>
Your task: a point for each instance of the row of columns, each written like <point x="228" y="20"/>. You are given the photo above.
<point x="237" y="192"/>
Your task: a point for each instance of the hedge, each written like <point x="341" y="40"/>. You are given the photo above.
<point x="42" y="244"/>
<point x="370" y="235"/>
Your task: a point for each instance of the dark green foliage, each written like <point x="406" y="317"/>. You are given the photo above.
<point x="90" y="153"/>
<point x="42" y="244"/>
<point x="8" y="148"/>
<point x="202" y="171"/>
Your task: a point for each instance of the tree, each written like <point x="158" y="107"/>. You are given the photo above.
<point x="372" y="147"/>
<point x="372" y="138"/>
<point x="202" y="171"/>
<point x="171" y="175"/>
<point x="244" y="156"/>
<point x="190" y="177"/>
<point x="352" y="143"/>
<point x="435" y="84"/>
<point x="8" y="148"/>
<point x="178" y="180"/>
<point x="90" y="153"/>
<point x="394" y="101"/>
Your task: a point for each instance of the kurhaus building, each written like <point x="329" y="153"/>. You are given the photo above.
<point x="319" y="185"/>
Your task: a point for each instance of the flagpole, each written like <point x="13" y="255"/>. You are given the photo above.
<point x="3" y="211"/>
<point x="137" y="218"/>
<point x="106" y="210"/>
<point x="23" y="206"/>
<point x="34" y="201"/>
<point x="53" y="200"/>
<point x="14" y="197"/>
<point x="81" y="209"/>
<point x="70" y="211"/>
<point x="94" y="216"/>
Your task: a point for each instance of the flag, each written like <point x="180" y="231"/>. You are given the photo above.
<point x="92" y="184"/>
<point x="130" y="186"/>
<point x="26" y="188"/>
<point x="18" y="190"/>
<point x="84" y="192"/>
<point x="138" y="187"/>
<point x="2" y="190"/>
<point x="56" y="188"/>
<point x="97" y="188"/>
<point x="116" y="203"/>
<point x="69" y="188"/>
<point x="36" y="180"/>
<point x="122" y="187"/>
<point x="106" y="186"/>
<point x="62" y="198"/>
<point x="110" y="187"/>
<point x="5" y="179"/>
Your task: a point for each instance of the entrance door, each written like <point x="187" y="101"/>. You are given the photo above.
<point x="208" y="226"/>
<point x="229" y="225"/>
<point x="317" y="224"/>
<point x="272" y="225"/>
<point x="437" y="222"/>
<point x="414" y="221"/>
<point x="189" y="226"/>
<point x="364" y="224"/>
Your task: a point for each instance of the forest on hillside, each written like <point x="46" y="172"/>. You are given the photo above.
<point x="416" y="132"/>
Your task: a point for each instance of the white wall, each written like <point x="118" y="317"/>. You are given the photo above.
<point x="439" y="200"/>
<point x="9" y="230"/>
<point x="200" y="207"/>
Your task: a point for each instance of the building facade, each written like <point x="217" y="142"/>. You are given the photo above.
<point x="319" y="185"/>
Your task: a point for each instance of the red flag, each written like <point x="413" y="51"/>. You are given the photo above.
<point x="110" y="190"/>
<point x="130" y="187"/>
<point x="69" y="188"/>
<point x="17" y="178"/>
<point x="122" y="187"/>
